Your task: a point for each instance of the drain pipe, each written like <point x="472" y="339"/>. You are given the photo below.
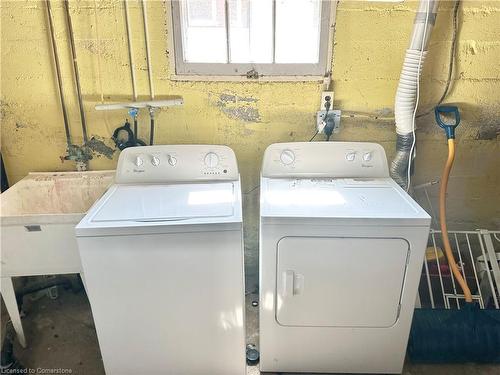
<point x="406" y="94"/>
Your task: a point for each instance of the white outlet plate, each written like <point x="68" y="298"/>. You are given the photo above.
<point x="333" y="114"/>
<point x="324" y="94"/>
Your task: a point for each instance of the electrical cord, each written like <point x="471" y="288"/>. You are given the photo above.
<point x="327" y="129"/>
<point x="327" y="107"/>
<point x="451" y="62"/>
<point x="451" y="65"/>
<point x="419" y="67"/>
<point x="314" y="136"/>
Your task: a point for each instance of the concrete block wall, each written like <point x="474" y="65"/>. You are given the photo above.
<point x="369" y="44"/>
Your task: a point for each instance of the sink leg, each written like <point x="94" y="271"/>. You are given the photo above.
<point x="9" y="297"/>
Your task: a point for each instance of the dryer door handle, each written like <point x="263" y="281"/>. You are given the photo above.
<point x="288" y="283"/>
<point x="293" y="283"/>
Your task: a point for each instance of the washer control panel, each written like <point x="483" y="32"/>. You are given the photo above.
<point x="325" y="159"/>
<point x="176" y="163"/>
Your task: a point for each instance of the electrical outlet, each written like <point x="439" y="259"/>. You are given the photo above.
<point x="324" y="94"/>
<point x="332" y="119"/>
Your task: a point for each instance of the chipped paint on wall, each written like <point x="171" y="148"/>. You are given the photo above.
<point x="237" y="107"/>
<point x="99" y="147"/>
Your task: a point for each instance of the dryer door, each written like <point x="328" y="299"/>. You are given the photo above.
<point x="340" y="282"/>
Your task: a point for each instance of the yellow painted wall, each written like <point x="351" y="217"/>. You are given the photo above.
<point x="369" y="45"/>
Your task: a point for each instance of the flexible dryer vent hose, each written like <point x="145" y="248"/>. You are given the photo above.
<point x="442" y="218"/>
<point x="406" y="94"/>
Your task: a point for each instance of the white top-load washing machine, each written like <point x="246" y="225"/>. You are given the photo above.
<point x="341" y="251"/>
<point x="162" y="255"/>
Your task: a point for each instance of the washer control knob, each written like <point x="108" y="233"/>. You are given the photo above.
<point x="367" y="156"/>
<point x="171" y="160"/>
<point x="211" y="160"/>
<point x="138" y="161"/>
<point x="155" y="160"/>
<point x="350" y="156"/>
<point x="287" y="157"/>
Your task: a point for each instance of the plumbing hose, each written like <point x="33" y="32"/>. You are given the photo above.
<point x="442" y="218"/>
<point x="406" y="94"/>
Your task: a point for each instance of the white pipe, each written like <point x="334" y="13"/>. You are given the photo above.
<point x="146" y="104"/>
<point x="416" y="40"/>
<point x="407" y="89"/>
<point x="98" y="40"/>
<point x="130" y="51"/>
<point x="148" y="51"/>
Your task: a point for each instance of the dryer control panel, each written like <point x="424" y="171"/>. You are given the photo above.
<point x="176" y="163"/>
<point x="325" y="159"/>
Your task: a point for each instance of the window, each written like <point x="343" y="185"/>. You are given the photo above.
<point x="251" y="37"/>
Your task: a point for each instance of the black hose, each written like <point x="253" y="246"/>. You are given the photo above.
<point x="130" y="141"/>
<point x="328" y="129"/>
<point x="135" y="130"/>
<point x="152" y="131"/>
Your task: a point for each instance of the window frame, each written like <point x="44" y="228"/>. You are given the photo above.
<point x="181" y="70"/>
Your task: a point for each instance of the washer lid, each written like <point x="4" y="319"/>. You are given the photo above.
<point x="157" y="203"/>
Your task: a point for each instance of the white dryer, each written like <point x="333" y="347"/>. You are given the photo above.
<point x="162" y="257"/>
<point x="341" y="251"/>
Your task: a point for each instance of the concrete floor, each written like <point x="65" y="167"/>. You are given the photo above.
<point x="61" y="334"/>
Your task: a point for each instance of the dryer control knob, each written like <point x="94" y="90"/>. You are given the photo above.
<point x="138" y="161"/>
<point x="211" y="160"/>
<point x="350" y="156"/>
<point x="367" y="156"/>
<point x="171" y="160"/>
<point x="287" y="157"/>
<point x="155" y="160"/>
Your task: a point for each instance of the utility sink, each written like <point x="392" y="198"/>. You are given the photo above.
<point x="38" y="218"/>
